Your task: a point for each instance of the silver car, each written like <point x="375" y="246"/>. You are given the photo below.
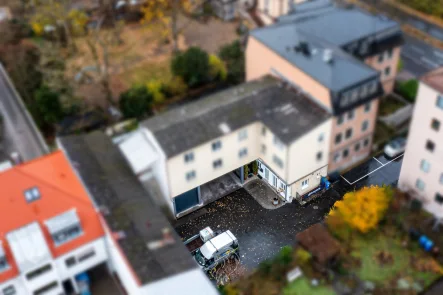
<point x="395" y="147"/>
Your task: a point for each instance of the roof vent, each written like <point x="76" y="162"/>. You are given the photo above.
<point x="327" y="56"/>
<point x="303" y="47"/>
<point x="224" y="128"/>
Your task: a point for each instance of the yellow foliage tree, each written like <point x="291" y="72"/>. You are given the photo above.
<point x="363" y="209"/>
<point x="155" y="89"/>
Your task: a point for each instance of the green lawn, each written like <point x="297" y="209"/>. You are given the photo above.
<point x="302" y="286"/>
<point x="147" y="71"/>
<point x="389" y="105"/>
<point x="367" y="248"/>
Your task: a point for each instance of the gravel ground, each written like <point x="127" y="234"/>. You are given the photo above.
<point x="261" y="232"/>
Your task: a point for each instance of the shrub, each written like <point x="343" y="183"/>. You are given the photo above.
<point x="48" y="105"/>
<point x="136" y="102"/>
<point x="155" y="88"/>
<point x="175" y="86"/>
<point x="265" y="267"/>
<point x="407" y="89"/>
<point x="302" y="256"/>
<point x="234" y="58"/>
<point x="285" y="255"/>
<point x="228" y="290"/>
<point x="192" y="66"/>
<point x="217" y="69"/>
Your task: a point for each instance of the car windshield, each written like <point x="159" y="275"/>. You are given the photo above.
<point x="199" y="257"/>
<point x="397" y="143"/>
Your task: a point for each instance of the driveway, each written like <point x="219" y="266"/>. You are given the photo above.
<point x="261" y="232"/>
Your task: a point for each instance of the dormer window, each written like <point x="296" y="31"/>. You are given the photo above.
<point x="64" y="227"/>
<point x="32" y="194"/>
<point x="3" y="262"/>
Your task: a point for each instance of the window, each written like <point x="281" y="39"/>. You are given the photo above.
<point x="190" y="175"/>
<point x="380" y="58"/>
<point x="365" y="125"/>
<point x="319" y="156"/>
<point x="46" y="288"/>
<point x="340" y="119"/>
<point x="351" y="115"/>
<point x="425" y="166"/>
<point x="373" y="87"/>
<point x="70" y="261"/>
<point x="263" y="131"/>
<point x="217" y="163"/>
<point x="266" y="8"/>
<point x="430" y="145"/>
<point x="367" y="107"/>
<point x="337" y="157"/>
<point x="441" y="178"/>
<point x="38" y="271"/>
<point x="439" y="198"/>
<point x="420" y="184"/>
<point x="85" y="255"/>
<point x="189" y="157"/>
<point x="3" y="263"/>
<point x="216" y="145"/>
<point x="305" y="184"/>
<point x="348" y="133"/>
<point x="263" y="149"/>
<point x="390" y="53"/>
<point x="243" y="152"/>
<point x="345" y="153"/>
<point x="440" y="101"/>
<point x="242" y="134"/>
<point x="357" y="147"/>
<point x="278" y="143"/>
<point x="338" y="138"/>
<point x="387" y="71"/>
<point x="32" y="194"/>
<point x="435" y="124"/>
<point x="67" y="234"/>
<point x="321" y="137"/>
<point x="366" y="142"/>
<point x="277" y="161"/>
<point x="10" y="290"/>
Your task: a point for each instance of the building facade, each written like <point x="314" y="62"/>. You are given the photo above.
<point x="52" y="233"/>
<point x="345" y="74"/>
<point x="421" y="173"/>
<point x="264" y="120"/>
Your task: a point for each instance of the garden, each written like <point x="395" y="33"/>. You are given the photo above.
<point x="365" y="246"/>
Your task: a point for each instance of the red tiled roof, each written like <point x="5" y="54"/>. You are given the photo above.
<point x="60" y="191"/>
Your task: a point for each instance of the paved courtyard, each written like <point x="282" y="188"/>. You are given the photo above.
<point x="261" y="232"/>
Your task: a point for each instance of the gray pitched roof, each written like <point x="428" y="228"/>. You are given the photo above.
<point x="286" y="112"/>
<point x="127" y="207"/>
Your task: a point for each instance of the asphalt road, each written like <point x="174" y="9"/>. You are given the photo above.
<point x="419" y="57"/>
<point x="21" y="134"/>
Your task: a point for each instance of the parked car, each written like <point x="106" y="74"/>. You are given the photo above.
<point x="395" y="147"/>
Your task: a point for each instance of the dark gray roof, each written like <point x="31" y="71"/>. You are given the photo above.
<point x="126" y="207"/>
<point x="288" y="113"/>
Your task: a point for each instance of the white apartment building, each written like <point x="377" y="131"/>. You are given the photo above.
<point x="263" y="120"/>
<point x="422" y="170"/>
<point x="52" y="233"/>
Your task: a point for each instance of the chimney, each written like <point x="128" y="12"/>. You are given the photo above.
<point x="16" y="158"/>
<point x="327" y="56"/>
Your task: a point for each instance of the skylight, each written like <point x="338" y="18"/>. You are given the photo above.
<point x="32" y="194"/>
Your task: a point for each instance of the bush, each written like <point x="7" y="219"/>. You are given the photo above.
<point x="192" y="66"/>
<point x="285" y="255"/>
<point x="175" y="87"/>
<point x="265" y="267"/>
<point x="407" y="89"/>
<point x="136" y="102"/>
<point x="234" y="58"/>
<point x="48" y="105"/>
<point x="302" y="256"/>
<point x="155" y="88"/>
<point x="217" y="69"/>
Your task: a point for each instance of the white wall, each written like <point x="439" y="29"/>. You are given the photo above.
<point x="18" y="284"/>
<point x="419" y="132"/>
<point x="100" y="256"/>
<point x="193" y="282"/>
<point x="204" y="157"/>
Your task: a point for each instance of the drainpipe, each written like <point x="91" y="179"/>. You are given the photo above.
<point x="242" y="174"/>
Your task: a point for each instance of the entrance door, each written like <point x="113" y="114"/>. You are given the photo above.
<point x="186" y="200"/>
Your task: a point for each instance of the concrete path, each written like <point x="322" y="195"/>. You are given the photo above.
<point x="263" y="194"/>
<point x="218" y="188"/>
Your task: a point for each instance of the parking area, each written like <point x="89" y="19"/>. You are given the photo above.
<point x="261" y="232"/>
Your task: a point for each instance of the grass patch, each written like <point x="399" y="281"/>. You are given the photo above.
<point x="148" y="71"/>
<point x="302" y="286"/>
<point x="382" y="133"/>
<point x="389" y="105"/>
<point x="370" y="269"/>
